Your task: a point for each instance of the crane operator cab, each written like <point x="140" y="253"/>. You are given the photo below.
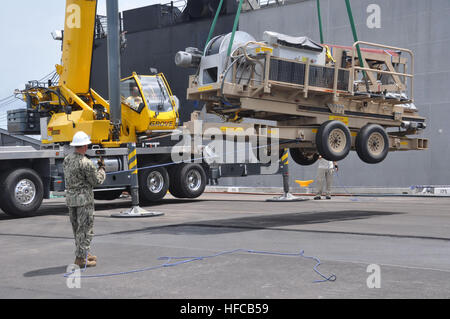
<point x="149" y="95"/>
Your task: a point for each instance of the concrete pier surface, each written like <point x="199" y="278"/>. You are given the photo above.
<point x="377" y="247"/>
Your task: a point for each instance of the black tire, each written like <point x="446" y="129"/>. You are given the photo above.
<point x="188" y="181"/>
<point x="153" y="184"/>
<point x="174" y="184"/>
<point x="3" y="176"/>
<point x="372" y="144"/>
<point x="107" y="195"/>
<point x="333" y="140"/>
<point x="21" y="192"/>
<point x="302" y="158"/>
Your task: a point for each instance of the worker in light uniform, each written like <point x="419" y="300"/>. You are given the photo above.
<point x="325" y="173"/>
<point x="135" y="99"/>
<point x="81" y="176"/>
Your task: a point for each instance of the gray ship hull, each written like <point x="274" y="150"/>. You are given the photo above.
<point x="421" y="26"/>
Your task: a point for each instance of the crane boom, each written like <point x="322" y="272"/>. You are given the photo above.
<point x="78" y="41"/>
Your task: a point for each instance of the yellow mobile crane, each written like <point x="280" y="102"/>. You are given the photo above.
<point x="147" y="103"/>
<point x="141" y="114"/>
<point x="145" y="108"/>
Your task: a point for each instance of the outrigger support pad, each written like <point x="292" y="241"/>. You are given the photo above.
<point x="287" y="197"/>
<point x="136" y="211"/>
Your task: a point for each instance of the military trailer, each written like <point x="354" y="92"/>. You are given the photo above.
<point x="325" y="99"/>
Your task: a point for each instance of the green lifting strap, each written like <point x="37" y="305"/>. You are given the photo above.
<point x="213" y="26"/>
<point x="355" y="38"/>
<point x="320" y="22"/>
<point x="236" y="22"/>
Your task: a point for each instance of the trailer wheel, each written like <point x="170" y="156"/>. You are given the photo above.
<point x="21" y="193"/>
<point x="372" y="144"/>
<point x="153" y="184"/>
<point x="188" y="181"/>
<point x="333" y="140"/>
<point x="303" y="158"/>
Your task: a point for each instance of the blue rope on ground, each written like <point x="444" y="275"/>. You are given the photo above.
<point x="176" y="261"/>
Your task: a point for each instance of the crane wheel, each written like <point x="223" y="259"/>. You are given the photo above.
<point x="187" y="180"/>
<point x="21" y="192"/>
<point x="333" y="140"/>
<point x="372" y="144"/>
<point x="174" y="184"/>
<point x="153" y="184"/>
<point x="303" y="158"/>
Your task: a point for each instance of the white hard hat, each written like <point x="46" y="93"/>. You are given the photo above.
<point x="80" y="139"/>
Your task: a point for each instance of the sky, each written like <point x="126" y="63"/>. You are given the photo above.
<point x="28" y="51"/>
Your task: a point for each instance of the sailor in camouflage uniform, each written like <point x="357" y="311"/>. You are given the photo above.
<point x="81" y="176"/>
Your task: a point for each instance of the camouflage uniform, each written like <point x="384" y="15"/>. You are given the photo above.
<point x="81" y="175"/>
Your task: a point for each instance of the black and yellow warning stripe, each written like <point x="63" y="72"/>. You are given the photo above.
<point x="285" y="157"/>
<point x="132" y="160"/>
